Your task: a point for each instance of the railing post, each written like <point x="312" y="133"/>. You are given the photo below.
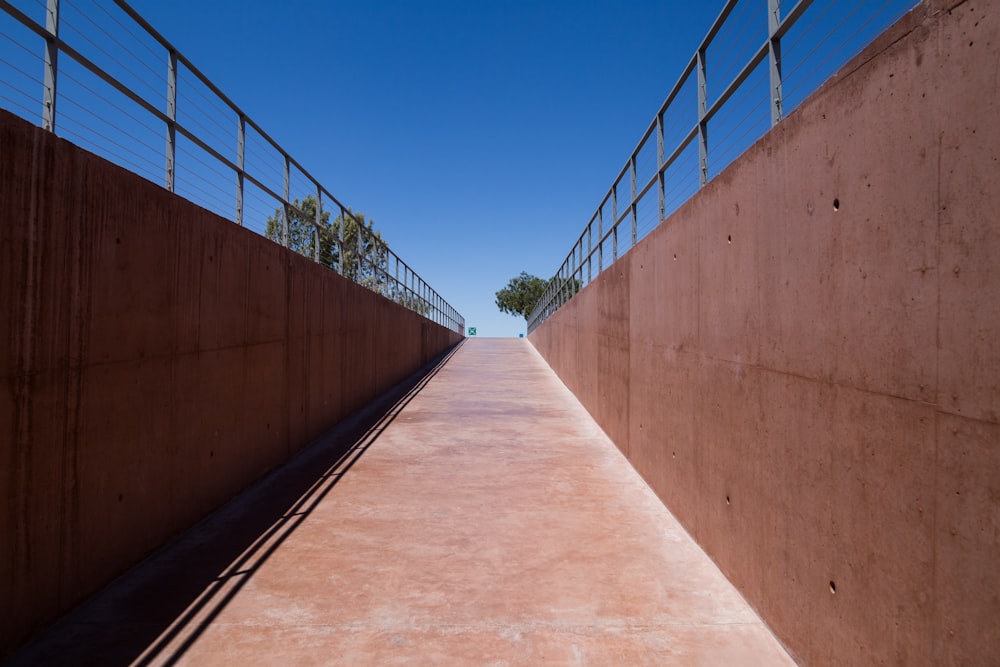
<point x="614" y="223"/>
<point x="340" y="241"/>
<point x="285" y="226"/>
<point x="774" y="57"/>
<point x="702" y="123"/>
<point x="634" y="206"/>
<point x="51" y="65"/>
<point x="172" y="120"/>
<point x="562" y="284"/>
<point x="614" y="206"/>
<point x="661" y="182"/>
<point x="600" y="239"/>
<point x="359" y="249"/>
<point x="590" y="248"/>
<point x="241" y="139"/>
<point x="383" y="267"/>
<point x="319" y="222"/>
<point x="572" y="270"/>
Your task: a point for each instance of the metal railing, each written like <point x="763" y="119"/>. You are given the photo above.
<point x="765" y="62"/>
<point x="124" y="92"/>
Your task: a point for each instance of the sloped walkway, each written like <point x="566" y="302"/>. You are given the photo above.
<point x="485" y="520"/>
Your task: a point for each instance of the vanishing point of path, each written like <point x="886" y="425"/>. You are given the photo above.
<point x="484" y="520"/>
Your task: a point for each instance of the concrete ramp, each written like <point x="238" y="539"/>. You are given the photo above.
<point x="482" y="519"/>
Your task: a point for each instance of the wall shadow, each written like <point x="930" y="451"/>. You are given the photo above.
<point x="157" y="610"/>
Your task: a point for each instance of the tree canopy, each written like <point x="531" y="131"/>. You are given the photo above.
<point x="521" y="294"/>
<point x="349" y="245"/>
<point x="360" y="254"/>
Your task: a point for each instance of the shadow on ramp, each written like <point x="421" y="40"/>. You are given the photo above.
<point x="156" y="611"/>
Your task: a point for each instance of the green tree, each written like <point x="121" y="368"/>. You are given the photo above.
<point x="361" y="255"/>
<point x="301" y="226"/>
<point x="411" y="301"/>
<point x="521" y="294"/>
<point x="350" y="244"/>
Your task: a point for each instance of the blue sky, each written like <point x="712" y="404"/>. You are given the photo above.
<point x="480" y="137"/>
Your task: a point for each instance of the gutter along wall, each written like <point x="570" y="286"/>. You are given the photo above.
<point x="804" y="360"/>
<point x="157" y="360"/>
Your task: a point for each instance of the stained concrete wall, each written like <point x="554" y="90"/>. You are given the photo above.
<point x="804" y="361"/>
<point x="156" y="360"/>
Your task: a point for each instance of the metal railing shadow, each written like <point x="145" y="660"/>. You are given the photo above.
<point x="170" y="599"/>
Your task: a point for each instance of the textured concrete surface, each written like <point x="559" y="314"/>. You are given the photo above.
<point x="155" y="360"/>
<point x="484" y="520"/>
<point x="803" y="361"/>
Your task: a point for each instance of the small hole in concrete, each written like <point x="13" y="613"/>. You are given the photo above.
<point x="833" y="587"/>
<point x="675" y="257"/>
<point x="836" y="204"/>
<point x="727" y="500"/>
<point x="211" y="454"/>
<point x="121" y="497"/>
<point x="729" y="239"/>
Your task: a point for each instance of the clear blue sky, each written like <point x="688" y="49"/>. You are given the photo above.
<point x="480" y="136"/>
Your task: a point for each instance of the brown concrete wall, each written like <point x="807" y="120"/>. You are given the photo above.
<point x="156" y="360"/>
<point x="804" y="361"/>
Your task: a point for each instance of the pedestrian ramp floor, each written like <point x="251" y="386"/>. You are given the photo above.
<point x="481" y="519"/>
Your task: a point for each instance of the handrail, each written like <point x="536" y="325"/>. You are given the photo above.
<point x="372" y="263"/>
<point x="861" y="21"/>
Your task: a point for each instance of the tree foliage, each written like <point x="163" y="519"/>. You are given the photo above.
<point x="348" y="244"/>
<point x="301" y="228"/>
<point x="521" y="294"/>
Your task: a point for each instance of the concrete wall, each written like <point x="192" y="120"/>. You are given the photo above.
<point x="804" y="361"/>
<point x="156" y="360"/>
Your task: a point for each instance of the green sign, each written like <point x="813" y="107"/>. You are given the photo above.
<point x="472" y="331"/>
